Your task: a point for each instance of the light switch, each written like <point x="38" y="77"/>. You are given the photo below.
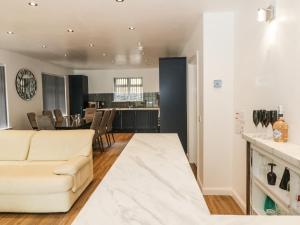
<point x="218" y="83"/>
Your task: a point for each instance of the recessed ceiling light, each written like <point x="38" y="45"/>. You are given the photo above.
<point x="131" y="28"/>
<point x="70" y="30"/>
<point x="91" y="45"/>
<point x="44" y="46"/>
<point x="104" y="54"/>
<point x="33" y="4"/>
<point x="119" y="0"/>
<point x="10" y="32"/>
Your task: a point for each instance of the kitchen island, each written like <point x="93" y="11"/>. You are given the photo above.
<point x="152" y="183"/>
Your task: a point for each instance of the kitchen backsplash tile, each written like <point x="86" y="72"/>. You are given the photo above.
<point x="151" y="99"/>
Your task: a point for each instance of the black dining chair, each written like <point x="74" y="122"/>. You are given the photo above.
<point x="96" y="126"/>
<point x="102" y="128"/>
<point x="44" y="123"/>
<point x="58" y="115"/>
<point x="50" y="115"/>
<point x="32" y="120"/>
<point x="109" y="126"/>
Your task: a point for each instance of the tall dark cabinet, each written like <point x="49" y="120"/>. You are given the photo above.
<point x="78" y="93"/>
<point x="173" y="97"/>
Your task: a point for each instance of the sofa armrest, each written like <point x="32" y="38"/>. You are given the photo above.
<point x="72" y="166"/>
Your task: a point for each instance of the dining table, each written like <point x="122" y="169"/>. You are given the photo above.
<point x="70" y="124"/>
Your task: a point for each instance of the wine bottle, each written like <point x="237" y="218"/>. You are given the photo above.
<point x="280" y="128"/>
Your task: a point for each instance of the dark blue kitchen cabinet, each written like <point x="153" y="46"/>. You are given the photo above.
<point x="173" y="97"/>
<point x="78" y="93"/>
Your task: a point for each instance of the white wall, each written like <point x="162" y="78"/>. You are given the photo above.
<point x="16" y="106"/>
<point x="192" y="110"/>
<point x="266" y="72"/>
<point x="214" y="37"/>
<point x="102" y="81"/>
<point x="218" y="64"/>
<point x="193" y="50"/>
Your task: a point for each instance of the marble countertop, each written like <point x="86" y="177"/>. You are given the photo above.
<point x="288" y="151"/>
<point x="151" y="183"/>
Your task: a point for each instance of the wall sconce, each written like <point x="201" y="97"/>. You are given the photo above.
<point x="266" y="15"/>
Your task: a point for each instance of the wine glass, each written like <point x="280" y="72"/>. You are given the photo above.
<point x="267" y="118"/>
<point x="256" y="117"/>
<point x="274" y="117"/>
<point x="263" y="117"/>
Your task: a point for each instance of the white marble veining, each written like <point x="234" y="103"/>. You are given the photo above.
<point x="151" y="183"/>
<point x="287" y="151"/>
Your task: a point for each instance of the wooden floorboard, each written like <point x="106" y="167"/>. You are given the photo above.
<point x="194" y="169"/>
<point x="222" y="205"/>
<point x="102" y="163"/>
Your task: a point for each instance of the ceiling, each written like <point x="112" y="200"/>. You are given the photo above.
<point x="161" y="26"/>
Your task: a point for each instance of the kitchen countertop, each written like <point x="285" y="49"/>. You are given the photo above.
<point x="287" y="151"/>
<point x="152" y="183"/>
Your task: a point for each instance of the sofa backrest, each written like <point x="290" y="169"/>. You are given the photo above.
<point x="15" y="144"/>
<point x="60" y="145"/>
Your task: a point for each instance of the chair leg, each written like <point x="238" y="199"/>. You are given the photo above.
<point x="101" y="143"/>
<point x="107" y="139"/>
<point x="112" y="134"/>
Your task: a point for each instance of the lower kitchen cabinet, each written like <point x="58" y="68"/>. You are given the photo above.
<point x="138" y="121"/>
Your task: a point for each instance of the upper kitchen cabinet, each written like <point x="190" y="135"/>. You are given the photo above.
<point x="173" y="97"/>
<point x="78" y="93"/>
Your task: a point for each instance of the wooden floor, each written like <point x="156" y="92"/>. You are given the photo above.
<point x="222" y="205"/>
<point x="102" y="163"/>
<point x="219" y="205"/>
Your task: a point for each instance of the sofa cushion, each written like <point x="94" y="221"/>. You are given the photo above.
<point x="32" y="178"/>
<point x="60" y="145"/>
<point x="15" y="144"/>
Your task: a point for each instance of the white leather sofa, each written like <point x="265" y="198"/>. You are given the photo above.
<point x="44" y="171"/>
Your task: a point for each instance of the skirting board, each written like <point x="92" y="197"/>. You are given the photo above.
<point x="217" y="191"/>
<point x="239" y="201"/>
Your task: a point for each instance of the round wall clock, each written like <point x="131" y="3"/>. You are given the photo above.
<point x="26" y="84"/>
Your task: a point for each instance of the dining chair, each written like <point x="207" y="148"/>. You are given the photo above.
<point x="49" y="114"/>
<point x="109" y="126"/>
<point x="32" y="120"/>
<point x="95" y="126"/>
<point x="58" y="115"/>
<point x="90" y="113"/>
<point x="44" y="123"/>
<point x="102" y="128"/>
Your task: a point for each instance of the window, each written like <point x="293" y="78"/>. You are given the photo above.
<point x="128" y="89"/>
<point x="3" y="107"/>
<point x="54" y="93"/>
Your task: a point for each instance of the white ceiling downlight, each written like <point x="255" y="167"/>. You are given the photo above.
<point x="10" y="32"/>
<point x="33" y="4"/>
<point x="131" y="28"/>
<point x="70" y="30"/>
